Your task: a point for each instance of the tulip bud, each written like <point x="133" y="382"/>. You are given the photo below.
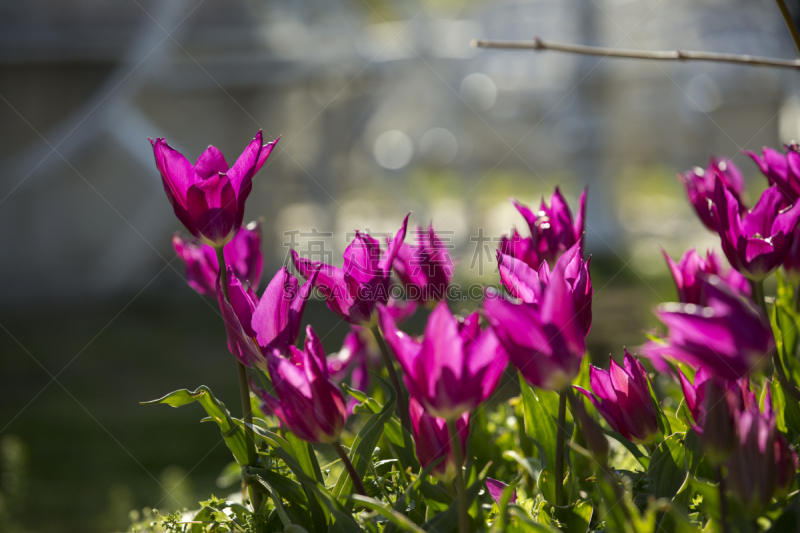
<point x="686" y="274"/>
<point x="720" y="426"/>
<point x="622" y="396"/>
<point x="699" y="185"/>
<point x="432" y="440"/>
<point x="496" y="489"/>
<point x="308" y="403"/>
<point x="425" y="267"/>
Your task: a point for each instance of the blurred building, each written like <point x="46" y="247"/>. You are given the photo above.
<point x="381" y="112"/>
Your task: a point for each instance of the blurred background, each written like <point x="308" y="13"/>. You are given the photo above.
<point x="383" y="108"/>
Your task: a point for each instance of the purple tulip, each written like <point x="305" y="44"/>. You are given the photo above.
<point x="276" y="319"/>
<point x="757" y="242"/>
<point x="730" y="337"/>
<point x="425" y="267"/>
<point x="695" y="394"/>
<point x="782" y="171"/>
<point x="256" y="327"/>
<point x="353" y="291"/>
<point x="455" y="366"/>
<point x="762" y="464"/>
<point x="699" y="185"/>
<point x="432" y="440"/>
<point x="308" y="403"/>
<point x="545" y="341"/>
<point x="496" y="489"/>
<point x="622" y="396"/>
<point x="528" y="284"/>
<point x="552" y="231"/>
<point x="242" y="254"/>
<point x="208" y="197"/>
<point x="685" y="273"/>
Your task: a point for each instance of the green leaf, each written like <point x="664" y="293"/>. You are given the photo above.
<point x="307" y="459"/>
<point x="631" y="447"/>
<point x="787" y="410"/>
<point x="234" y="435"/>
<point x="400" y="520"/>
<point x="789" y="521"/>
<point x="667" y="471"/>
<point x="448" y="520"/>
<point x="541" y="426"/>
<point x="573" y="518"/>
<point x="367" y="439"/>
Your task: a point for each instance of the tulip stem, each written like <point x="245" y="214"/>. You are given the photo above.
<point x="402" y="404"/>
<point x="757" y="288"/>
<point x="723" y="504"/>
<point x="357" y="483"/>
<point x="244" y="389"/>
<point x="561" y="434"/>
<point x="461" y="489"/>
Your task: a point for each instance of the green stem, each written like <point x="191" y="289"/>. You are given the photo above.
<point x="461" y="489"/>
<point x="723" y="504"/>
<point x="787" y="17"/>
<point x="402" y="404"/>
<point x="244" y="389"/>
<point x="357" y="483"/>
<point x="796" y="299"/>
<point x="757" y="288"/>
<point x="561" y="434"/>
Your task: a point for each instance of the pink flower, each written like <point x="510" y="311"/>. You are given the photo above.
<point x="432" y="440"/>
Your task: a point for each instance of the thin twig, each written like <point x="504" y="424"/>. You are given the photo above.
<point x="787" y="17"/>
<point x="538" y="44"/>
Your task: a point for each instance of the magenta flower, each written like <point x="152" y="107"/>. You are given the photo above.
<point x="730" y="337"/>
<point x="762" y="465"/>
<point x="242" y="254"/>
<point x="528" y="284"/>
<point x="496" y="489"/>
<point x="455" y="366"/>
<point x="782" y="170"/>
<point x="552" y="231"/>
<point x="755" y="243"/>
<point x="276" y="319"/>
<point x="256" y="328"/>
<point x="425" y="267"/>
<point x="622" y="396"/>
<point x="308" y="403"/>
<point x="699" y="185"/>
<point x="545" y="341"/>
<point x="695" y="394"/>
<point x="432" y="440"/>
<point x="353" y="291"/>
<point x="685" y="273"/>
<point x="208" y="197"/>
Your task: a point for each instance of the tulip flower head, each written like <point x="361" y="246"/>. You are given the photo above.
<point x="425" y="267"/>
<point x="622" y="396"/>
<point x="782" y="170"/>
<point x="353" y="291"/>
<point x="242" y="254"/>
<point x="552" y="230"/>
<point x="685" y="273"/>
<point x="454" y="367"/>
<point x="527" y="284"/>
<point x="762" y="464"/>
<point x="757" y="242"/>
<point x="432" y="440"/>
<point x="694" y="394"/>
<point x="545" y="341"/>
<point x="308" y="403"/>
<point x="730" y="337"/>
<point x="699" y="185"/>
<point x="208" y="197"/>
<point x="496" y="489"/>
<point x="257" y="327"/>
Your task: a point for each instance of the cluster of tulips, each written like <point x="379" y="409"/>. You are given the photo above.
<point x="722" y="459"/>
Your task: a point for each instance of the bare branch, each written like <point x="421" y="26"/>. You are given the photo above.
<point x="657" y="55"/>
